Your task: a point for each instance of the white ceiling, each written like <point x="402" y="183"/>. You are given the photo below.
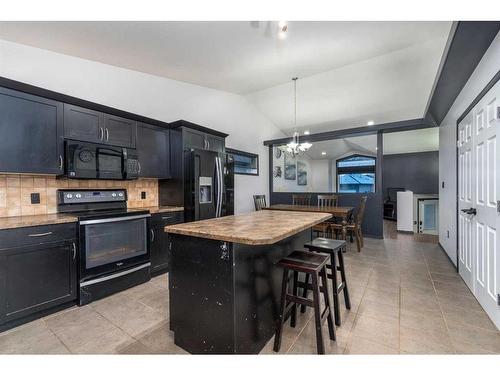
<point x="349" y="72"/>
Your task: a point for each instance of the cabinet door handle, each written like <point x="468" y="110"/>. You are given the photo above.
<point x="139" y="165"/>
<point x="208" y="143"/>
<point x="39" y="234"/>
<point x="74" y="251"/>
<point x="170" y="245"/>
<point x="101" y="133"/>
<point x="107" y="134"/>
<point x="152" y="235"/>
<point x="60" y="162"/>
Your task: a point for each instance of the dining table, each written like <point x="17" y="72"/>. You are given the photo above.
<point x="341" y="212"/>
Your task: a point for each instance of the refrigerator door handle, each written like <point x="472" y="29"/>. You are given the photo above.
<point x="221" y="186"/>
<point x="217" y="174"/>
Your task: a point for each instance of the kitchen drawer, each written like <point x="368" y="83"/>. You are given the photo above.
<point x="167" y="218"/>
<point x="35" y="235"/>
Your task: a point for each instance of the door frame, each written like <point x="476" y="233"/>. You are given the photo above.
<point x="474" y="102"/>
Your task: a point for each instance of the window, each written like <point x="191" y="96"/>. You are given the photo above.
<point x="244" y="162"/>
<point x="356" y="174"/>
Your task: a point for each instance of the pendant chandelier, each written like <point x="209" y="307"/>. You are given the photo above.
<point x="294" y="147"/>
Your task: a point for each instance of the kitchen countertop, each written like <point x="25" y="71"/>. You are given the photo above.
<point x="160" y="209"/>
<point x="34" y="220"/>
<point x="255" y="228"/>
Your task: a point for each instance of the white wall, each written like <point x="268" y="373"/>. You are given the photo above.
<point x="151" y="96"/>
<point x="483" y="73"/>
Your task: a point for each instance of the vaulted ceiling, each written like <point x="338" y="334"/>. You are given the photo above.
<point x="349" y="72"/>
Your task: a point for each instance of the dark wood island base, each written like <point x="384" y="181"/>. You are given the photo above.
<point x="224" y="296"/>
<point x="224" y="281"/>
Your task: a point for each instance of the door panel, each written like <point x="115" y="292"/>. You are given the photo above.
<point x="479" y="265"/>
<point x="31" y="133"/>
<point x="465" y="199"/>
<point x="83" y="124"/>
<point x="153" y="146"/>
<point x="119" y="131"/>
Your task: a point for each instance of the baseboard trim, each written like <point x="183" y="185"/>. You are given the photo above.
<point x="447" y="256"/>
<point x="405" y="231"/>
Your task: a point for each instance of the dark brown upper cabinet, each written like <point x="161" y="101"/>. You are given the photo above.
<point x="197" y="139"/>
<point x="31" y="133"/>
<point x="92" y="126"/>
<point x="119" y="131"/>
<point x="83" y="124"/>
<point x="153" y="147"/>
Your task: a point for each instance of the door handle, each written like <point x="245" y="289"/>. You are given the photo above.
<point x="60" y="162"/>
<point x="107" y="134"/>
<point x="469" y="211"/>
<point x="74" y="251"/>
<point x="152" y="235"/>
<point x="101" y="133"/>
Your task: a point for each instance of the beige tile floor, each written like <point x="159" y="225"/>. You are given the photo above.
<point x="406" y="299"/>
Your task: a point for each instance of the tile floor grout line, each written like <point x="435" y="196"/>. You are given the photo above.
<point x="355" y="319"/>
<point x="440" y="307"/>
<point x="57" y="336"/>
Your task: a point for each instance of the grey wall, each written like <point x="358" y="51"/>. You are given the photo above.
<point x="418" y="172"/>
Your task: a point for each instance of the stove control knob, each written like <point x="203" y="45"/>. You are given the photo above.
<point x="69" y="196"/>
<point x="113" y="195"/>
<point x="121" y="194"/>
<point x="78" y="196"/>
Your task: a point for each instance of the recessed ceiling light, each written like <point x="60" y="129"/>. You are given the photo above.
<point x="307" y="132"/>
<point x="370" y="123"/>
<point x="323" y="153"/>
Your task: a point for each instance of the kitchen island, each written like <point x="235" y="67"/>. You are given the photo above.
<point x="224" y="284"/>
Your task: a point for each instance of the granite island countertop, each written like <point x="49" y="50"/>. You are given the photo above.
<point x="255" y="228"/>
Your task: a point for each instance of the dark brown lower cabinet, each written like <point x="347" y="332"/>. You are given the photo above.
<point x="160" y="240"/>
<point x="36" y="277"/>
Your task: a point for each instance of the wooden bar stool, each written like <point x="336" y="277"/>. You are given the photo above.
<point x="315" y="266"/>
<point x="335" y="249"/>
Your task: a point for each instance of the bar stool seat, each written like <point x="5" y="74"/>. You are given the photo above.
<point x="335" y="249"/>
<point x="314" y="265"/>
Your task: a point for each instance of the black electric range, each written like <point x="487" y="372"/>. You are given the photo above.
<point x="113" y="241"/>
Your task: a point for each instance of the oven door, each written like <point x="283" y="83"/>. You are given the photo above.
<point x="112" y="244"/>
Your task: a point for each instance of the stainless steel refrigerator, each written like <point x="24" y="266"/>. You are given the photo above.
<point x="208" y="184"/>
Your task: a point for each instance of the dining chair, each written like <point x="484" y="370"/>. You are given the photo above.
<point x="355" y="226"/>
<point x="330" y="200"/>
<point x="301" y="199"/>
<point x="325" y="201"/>
<point x="259" y="202"/>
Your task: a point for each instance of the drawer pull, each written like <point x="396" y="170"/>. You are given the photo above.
<point x="166" y="217"/>
<point x="39" y="234"/>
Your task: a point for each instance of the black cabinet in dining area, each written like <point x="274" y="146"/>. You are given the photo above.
<point x="160" y="240"/>
<point x="31" y="133"/>
<point x="153" y="147"/>
<point x="38" y="271"/>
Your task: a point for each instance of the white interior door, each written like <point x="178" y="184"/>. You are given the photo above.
<point x="479" y="184"/>
<point x="465" y="227"/>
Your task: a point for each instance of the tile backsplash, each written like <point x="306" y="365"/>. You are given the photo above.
<point x="15" y="192"/>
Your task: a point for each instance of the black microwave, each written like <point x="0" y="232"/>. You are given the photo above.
<point x="97" y="161"/>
